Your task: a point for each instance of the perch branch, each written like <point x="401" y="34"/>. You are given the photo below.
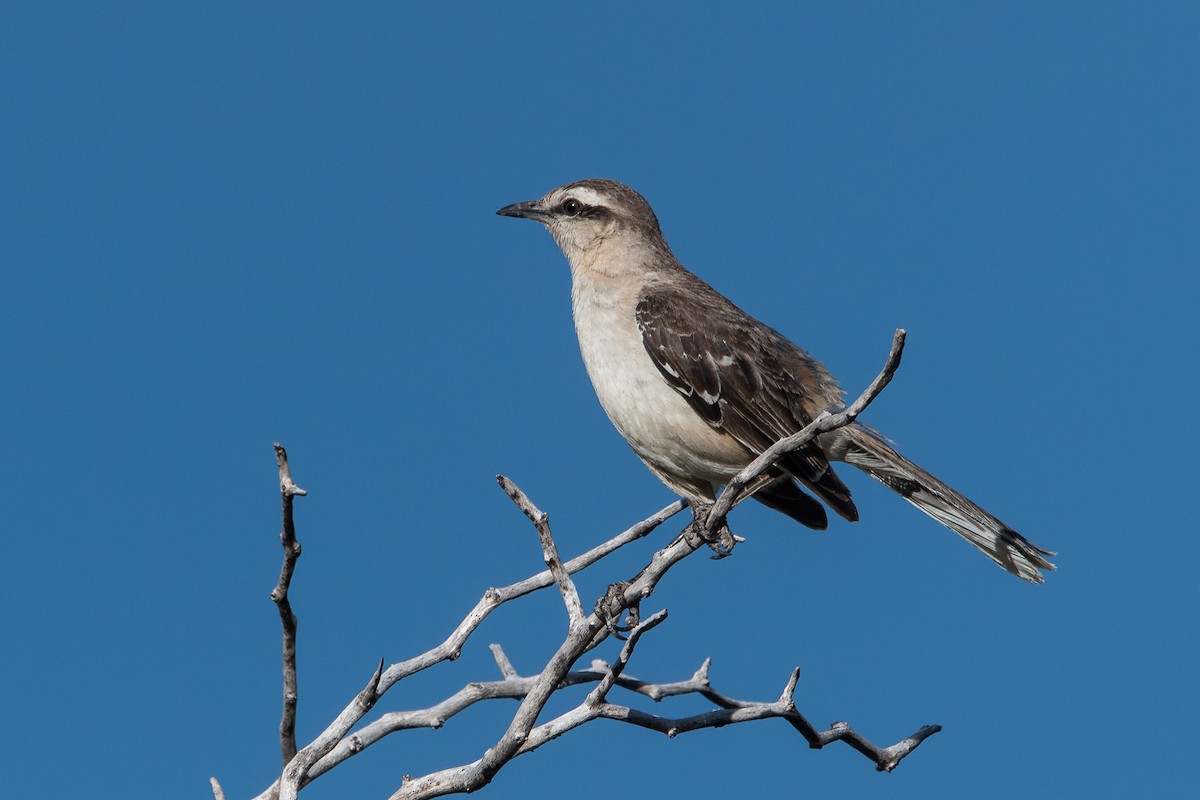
<point x="584" y="633"/>
<point x="596" y="627"/>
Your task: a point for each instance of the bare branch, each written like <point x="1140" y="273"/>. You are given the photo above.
<point x="737" y="711"/>
<point x="493" y="598"/>
<point x="789" y="691"/>
<point x="886" y="759"/>
<point x="296" y="770"/>
<point x="592" y="630"/>
<point x="517" y="687"/>
<point x="452" y="646"/>
<point x="596" y="707"/>
<point x="597" y="695"/>
<point x="287" y="486"/>
<point x="523" y="735"/>
<point x="512" y="687"/>
<point x="291" y="552"/>
<point x="506" y="667"/>
<point x="579" y="639"/>
<point x="541" y="521"/>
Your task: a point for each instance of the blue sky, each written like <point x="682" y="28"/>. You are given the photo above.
<point x="224" y="225"/>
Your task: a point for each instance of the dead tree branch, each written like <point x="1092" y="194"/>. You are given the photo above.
<point x="297" y="769"/>
<point x="340" y="741"/>
<point x="450" y="648"/>
<point x="541" y="521"/>
<point x="291" y="552"/>
<point x="732" y="712"/>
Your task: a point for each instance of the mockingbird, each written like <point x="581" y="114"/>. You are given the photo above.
<point x="698" y="387"/>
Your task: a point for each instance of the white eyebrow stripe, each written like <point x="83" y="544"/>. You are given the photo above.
<point x="589" y="197"/>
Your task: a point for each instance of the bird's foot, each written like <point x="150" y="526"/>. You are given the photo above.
<point x="610" y="606"/>
<point x="721" y="541"/>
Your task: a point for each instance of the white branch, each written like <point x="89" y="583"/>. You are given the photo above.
<point x="452" y="646"/>
<point x="585" y="631"/>
<point x="296" y="771"/>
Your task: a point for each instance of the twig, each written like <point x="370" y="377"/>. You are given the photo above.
<point x="540" y="520"/>
<point x="291" y="552"/>
<point x="885" y="758"/>
<point x="506" y="667"/>
<point x="597" y="695"/>
<point x="297" y="769"/>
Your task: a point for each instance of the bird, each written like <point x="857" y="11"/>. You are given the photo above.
<point x="699" y="388"/>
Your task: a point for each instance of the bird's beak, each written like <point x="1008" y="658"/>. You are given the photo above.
<point x="529" y="210"/>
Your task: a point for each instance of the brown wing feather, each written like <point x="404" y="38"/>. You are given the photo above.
<point x="742" y="377"/>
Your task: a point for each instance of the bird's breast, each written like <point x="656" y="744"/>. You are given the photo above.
<point x="654" y="418"/>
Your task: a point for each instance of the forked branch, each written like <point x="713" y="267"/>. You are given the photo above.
<point x="344" y="738"/>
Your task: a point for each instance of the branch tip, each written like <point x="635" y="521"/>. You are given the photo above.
<point x="789" y="691"/>
<point x="506" y="667"/>
<point x="287" y="487"/>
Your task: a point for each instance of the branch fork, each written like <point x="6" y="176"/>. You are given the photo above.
<point x="585" y="631"/>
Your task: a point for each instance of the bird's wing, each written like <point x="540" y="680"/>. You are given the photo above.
<point x="740" y="376"/>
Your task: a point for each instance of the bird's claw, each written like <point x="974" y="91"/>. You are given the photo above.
<point x="609" y="608"/>
<point x="720" y="541"/>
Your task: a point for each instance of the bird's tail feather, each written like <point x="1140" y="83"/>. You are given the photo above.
<point x="783" y="495"/>
<point x="867" y="450"/>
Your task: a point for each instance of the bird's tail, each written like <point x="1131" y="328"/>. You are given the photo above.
<point x="864" y="448"/>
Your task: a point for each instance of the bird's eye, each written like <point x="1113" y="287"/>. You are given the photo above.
<point x="571" y="207"/>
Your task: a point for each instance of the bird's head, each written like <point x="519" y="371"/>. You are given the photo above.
<point x="583" y="215"/>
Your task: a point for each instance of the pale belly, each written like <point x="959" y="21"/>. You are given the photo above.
<point x="674" y="441"/>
